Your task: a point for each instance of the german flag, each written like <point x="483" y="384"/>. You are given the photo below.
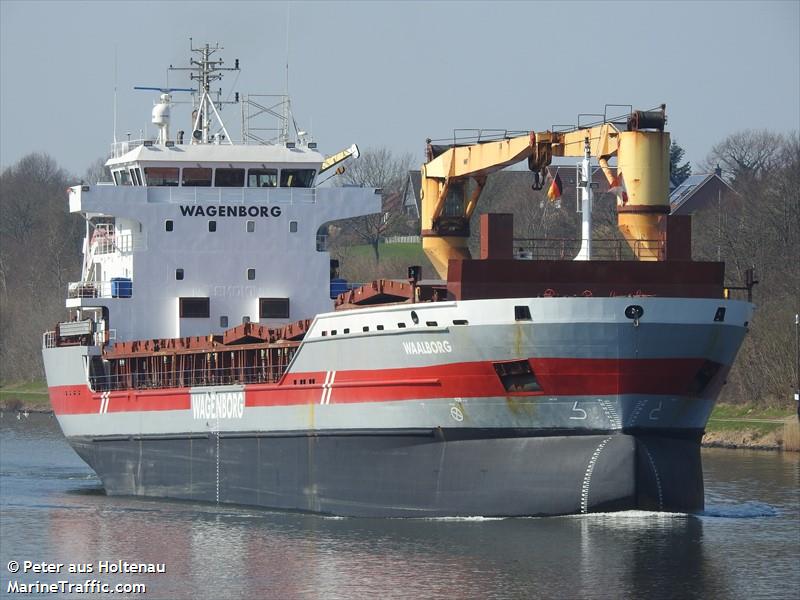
<point x="556" y="188"/>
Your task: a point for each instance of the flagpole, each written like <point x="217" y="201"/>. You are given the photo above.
<point x="585" y="252"/>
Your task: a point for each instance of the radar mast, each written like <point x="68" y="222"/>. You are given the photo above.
<point x="206" y="70"/>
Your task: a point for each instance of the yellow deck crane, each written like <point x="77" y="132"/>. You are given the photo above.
<point x="335" y="159"/>
<point x="641" y="147"/>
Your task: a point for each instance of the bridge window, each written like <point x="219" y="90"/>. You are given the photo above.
<point x="229" y="178"/>
<point x="196" y="177"/>
<point x="303" y="178"/>
<point x="262" y="178"/>
<point x="273" y="308"/>
<point x="122" y="177"/>
<point x="194" y="308"/>
<point x="161" y="176"/>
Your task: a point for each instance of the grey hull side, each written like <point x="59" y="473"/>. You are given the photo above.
<point x="413" y="474"/>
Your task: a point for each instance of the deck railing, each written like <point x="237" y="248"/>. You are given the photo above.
<point x="99" y="289"/>
<point x="186" y="378"/>
<point x="602" y="249"/>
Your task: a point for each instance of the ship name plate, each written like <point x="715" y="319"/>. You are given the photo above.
<point x="212" y="404"/>
<point x="427" y="347"/>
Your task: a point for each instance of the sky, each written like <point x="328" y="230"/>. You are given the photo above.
<point x="391" y="74"/>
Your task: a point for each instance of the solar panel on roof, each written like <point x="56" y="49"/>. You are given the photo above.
<point x="686" y="189"/>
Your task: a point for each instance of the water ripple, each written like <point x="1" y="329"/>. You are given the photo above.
<point x="745" y="510"/>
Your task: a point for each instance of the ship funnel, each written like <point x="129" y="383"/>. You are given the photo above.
<point x="161" y="118"/>
<point x="643" y="161"/>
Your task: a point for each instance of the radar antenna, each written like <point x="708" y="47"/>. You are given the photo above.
<point x="161" y="109"/>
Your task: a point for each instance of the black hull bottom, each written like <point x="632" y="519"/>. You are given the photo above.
<point x="413" y="475"/>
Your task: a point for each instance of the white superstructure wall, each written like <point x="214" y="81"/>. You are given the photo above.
<point x="232" y="246"/>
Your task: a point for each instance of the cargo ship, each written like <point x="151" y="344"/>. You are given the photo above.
<point x="212" y="353"/>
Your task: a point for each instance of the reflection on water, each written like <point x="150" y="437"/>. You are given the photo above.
<point x="745" y="544"/>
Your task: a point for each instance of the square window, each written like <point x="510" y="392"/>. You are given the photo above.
<point x="292" y="226"/>
<point x="169" y="225"/>
<point x="229" y="177"/>
<point x="273" y="308"/>
<point x="161" y="176"/>
<point x="212" y="226"/>
<point x="194" y="308"/>
<point x="251" y="226"/>
<point x="179" y="274"/>
<point x="251" y="274"/>
<point x="196" y="177"/>
<point x="262" y="178"/>
<point x="380" y="327"/>
<point x="223" y="321"/>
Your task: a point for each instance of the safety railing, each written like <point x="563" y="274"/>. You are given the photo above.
<point x="186" y="378"/>
<point x="121" y="288"/>
<point x="49" y="339"/>
<point x="107" y="241"/>
<point x="602" y="249"/>
<point x="121" y="148"/>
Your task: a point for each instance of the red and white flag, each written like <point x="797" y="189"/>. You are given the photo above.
<point x="618" y="188"/>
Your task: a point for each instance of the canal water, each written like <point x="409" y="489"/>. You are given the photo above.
<point x="52" y="509"/>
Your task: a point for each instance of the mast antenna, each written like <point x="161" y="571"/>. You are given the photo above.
<point x="115" y="93"/>
<point x="287" y="109"/>
<point x="205" y="71"/>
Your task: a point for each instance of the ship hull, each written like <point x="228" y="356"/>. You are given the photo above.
<point x="429" y="420"/>
<point x="409" y="473"/>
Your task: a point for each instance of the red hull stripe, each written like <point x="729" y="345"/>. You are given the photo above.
<point x="557" y="377"/>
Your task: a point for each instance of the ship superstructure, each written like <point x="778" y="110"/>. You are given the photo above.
<point x="210" y="355"/>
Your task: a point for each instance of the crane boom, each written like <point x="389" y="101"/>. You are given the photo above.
<point x="334" y="159"/>
<point x="641" y="154"/>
